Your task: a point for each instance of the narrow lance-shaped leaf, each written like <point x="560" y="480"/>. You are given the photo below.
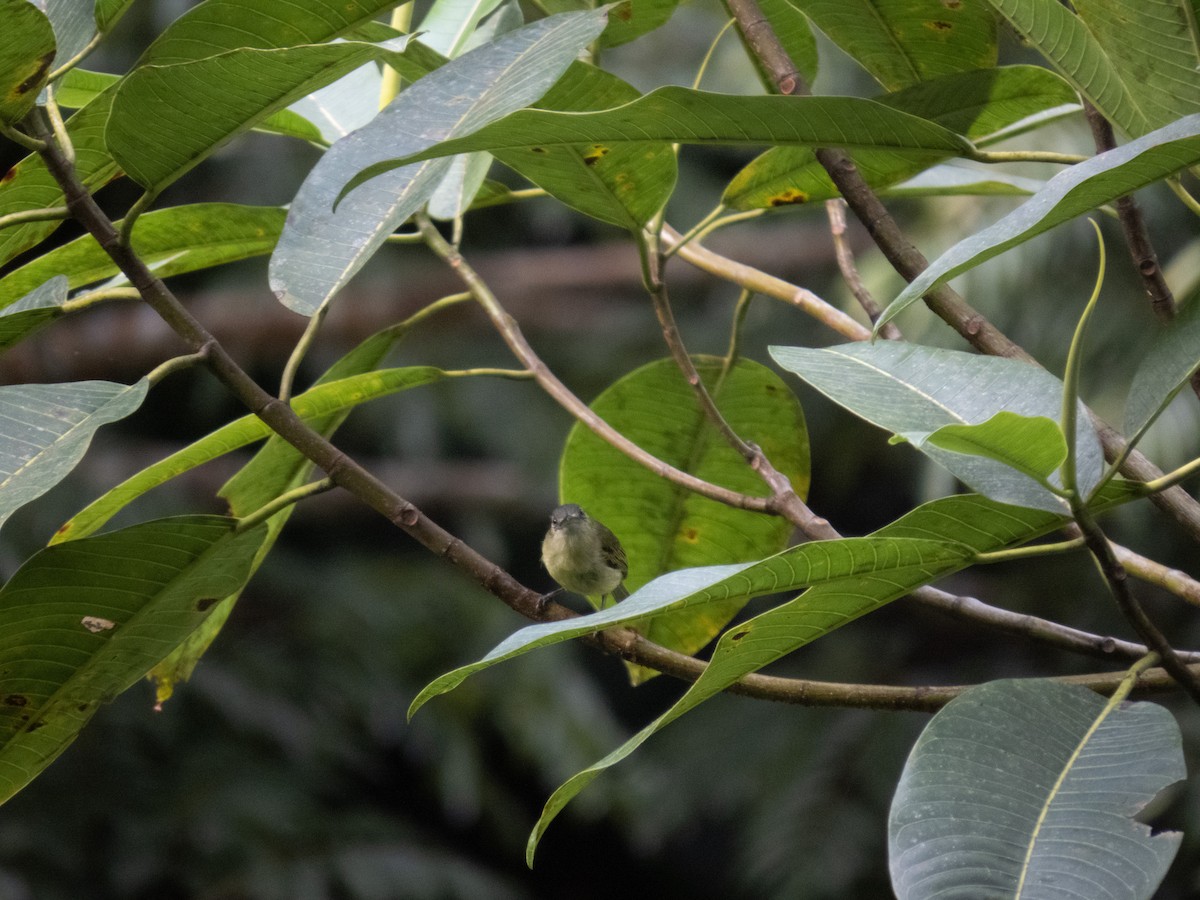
<point x="48" y="428"/>
<point x="1030" y="789"/>
<point x="1033" y="445"/>
<point x="171" y="241"/>
<point x="82" y="622"/>
<point x="680" y="115"/>
<point x="166" y="119"/>
<point x="913" y="391"/>
<point x="817" y="562"/>
<point x="1075" y="191"/>
<point x="321" y="249"/>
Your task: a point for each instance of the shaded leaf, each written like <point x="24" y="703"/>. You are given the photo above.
<point x="321" y="248"/>
<point x="1072" y="49"/>
<point x="817" y="562"/>
<point x="1030" y="788"/>
<point x="675" y="114"/>
<point x="74" y="25"/>
<point x="212" y="28"/>
<point x="901" y="42"/>
<point x="913" y="391"/>
<point x="630" y="19"/>
<point x="26" y="56"/>
<point x="108" y="12"/>
<point x="171" y="241"/>
<point x="48" y="428"/>
<point x="339" y="108"/>
<point x="792" y="28"/>
<point x="166" y="119"/>
<point x="82" y="622"/>
<point x="1164" y="369"/>
<point x="1068" y="194"/>
<point x="955" y="179"/>
<point x="664" y="527"/>
<point x="38" y="308"/>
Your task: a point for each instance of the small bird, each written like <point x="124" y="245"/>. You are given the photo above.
<point x="583" y="556"/>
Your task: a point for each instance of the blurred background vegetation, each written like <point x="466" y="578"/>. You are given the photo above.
<point x="285" y="769"/>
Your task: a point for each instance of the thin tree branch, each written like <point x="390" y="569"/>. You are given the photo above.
<point x="836" y="211"/>
<point x="1133" y="225"/>
<point x="909" y="262"/>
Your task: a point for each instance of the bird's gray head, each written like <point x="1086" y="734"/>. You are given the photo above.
<point x="565" y="515"/>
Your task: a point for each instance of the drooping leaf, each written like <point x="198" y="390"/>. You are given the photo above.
<point x="664" y="527"/>
<point x="913" y="391"/>
<point x="818" y="562"/>
<point x="26" y="56"/>
<point x="48" y="428"/>
<point x="82" y="622"/>
<point x="901" y="42"/>
<point x="38" y="308"/>
<point x="979" y="105"/>
<point x="171" y="241"/>
<point x="1164" y="369"/>
<point x="1033" y="445"/>
<point x="955" y="179"/>
<point x="1029" y="789"/>
<point x="166" y="119"/>
<point x="1070" y="193"/>
<point x="1072" y="49"/>
<point x="321" y="248"/>
<point x="680" y="115"/>
<point x="318" y="403"/>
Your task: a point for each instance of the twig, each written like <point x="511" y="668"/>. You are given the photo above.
<point x="836" y="211"/>
<point x="49" y="214"/>
<point x="1133" y="225"/>
<point x="283" y="501"/>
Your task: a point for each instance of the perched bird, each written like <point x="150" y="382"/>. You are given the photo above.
<point x="583" y="556"/>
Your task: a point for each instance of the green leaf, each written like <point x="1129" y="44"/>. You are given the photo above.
<point x="1070" y="193"/>
<point x="317" y="403"/>
<point x="108" y="12"/>
<point x="339" y="108"/>
<point x="1164" y="369"/>
<point x="48" y="428"/>
<point x="449" y="24"/>
<point x="1153" y="46"/>
<point x="792" y="28"/>
<point x="36" y="309"/>
<point x="1030" y="788"/>
<point x="664" y="527"/>
<point x="29" y="185"/>
<point x="26" y="54"/>
<point x="1068" y="44"/>
<point x="818" y="562"/>
<point x="321" y="248"/>
<point x="974" y="521"/>
<point x="630" y="19"/>
<point x="79" y="87"/>
<point x="624" y="184"/>
<point x="82" y="622"/>
<point x="675" y="114"/>
<point x="166" y="119"/>
<point x="216" y="26"/>
<point x="1033" y="445"/>
<point x="901" y="42"/>
<point x="913" y="391"/>
<point x="979" y="105"/>
<point x="171" y="241"/>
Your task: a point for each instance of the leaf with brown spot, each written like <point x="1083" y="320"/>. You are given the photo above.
<point x="27" y="49"/>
